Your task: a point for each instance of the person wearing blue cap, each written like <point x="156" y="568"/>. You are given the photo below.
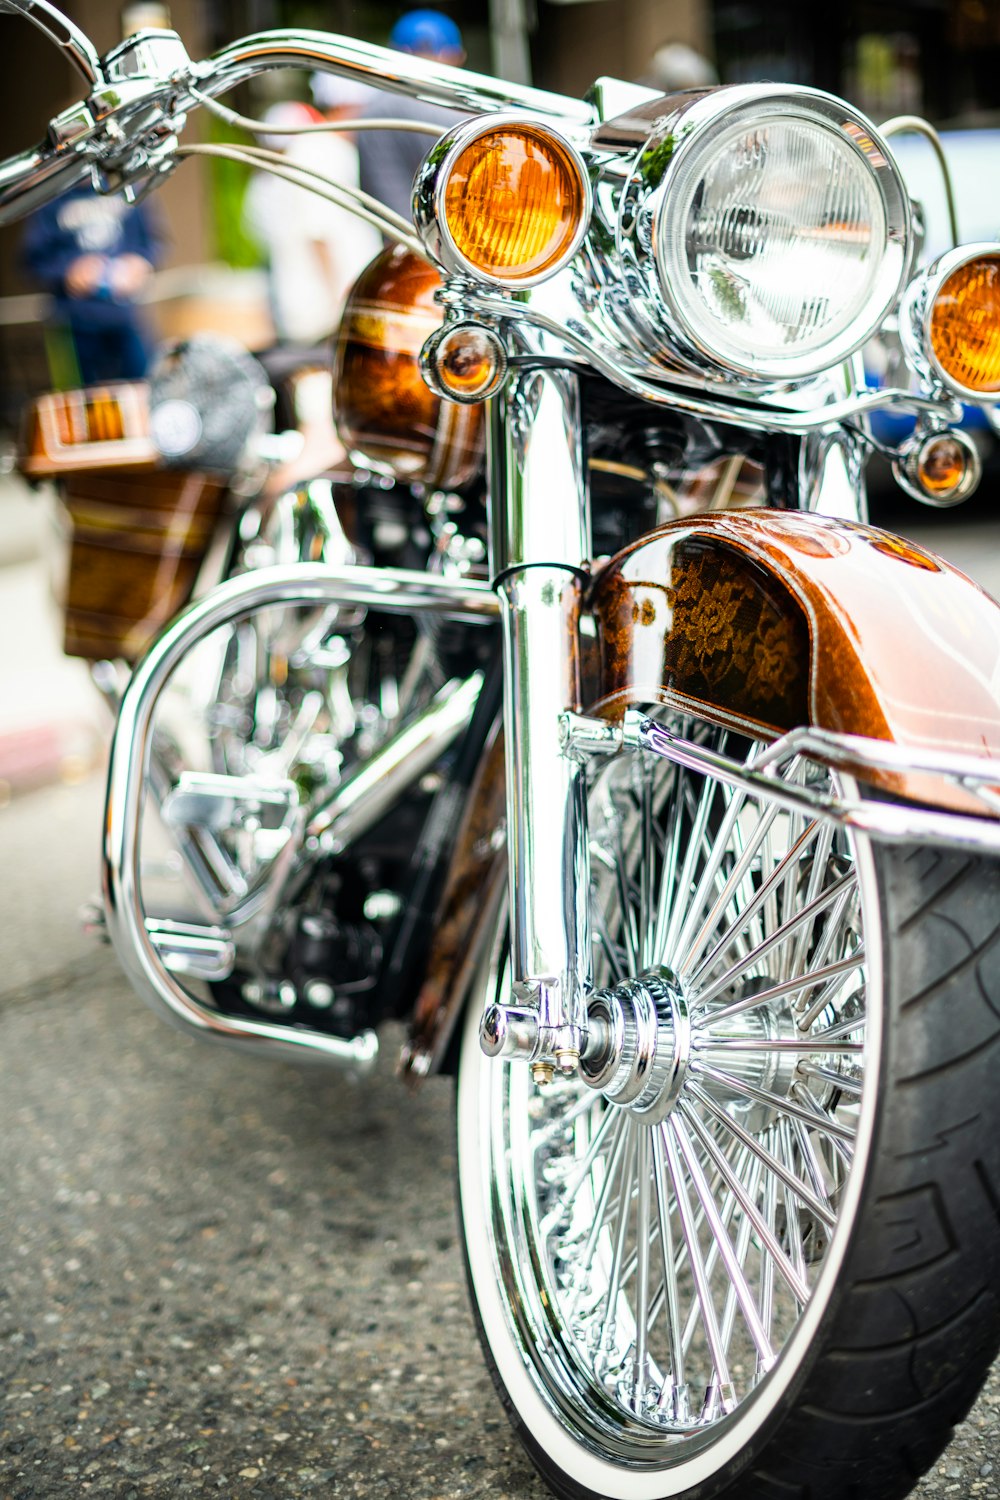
<point x="390" y="159"/>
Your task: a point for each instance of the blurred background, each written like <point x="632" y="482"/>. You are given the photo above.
<point x="940" y="58"/>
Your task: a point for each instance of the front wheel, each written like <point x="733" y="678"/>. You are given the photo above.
<point x="771" y="1270"/>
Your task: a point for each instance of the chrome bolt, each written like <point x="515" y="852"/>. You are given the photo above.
<point x="318" y="994"/>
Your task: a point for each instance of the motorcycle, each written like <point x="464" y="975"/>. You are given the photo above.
<point x="653" y="789"/>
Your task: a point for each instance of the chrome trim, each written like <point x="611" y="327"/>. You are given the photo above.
<point x="392" y="590"/>
<point x="430" y="366"/>
<point x="362" y="799"/>
<point x="917" y="309"/>
<point x="382" y="68"/>
<point x="59" y="29"/>
<point x="539" y="531"/>
<point x="579" y="336"/>
<point x="432" y="181"/>
<point x="832" y="475"/>
<point x="892" y="822"/>
<point x="204" y="799"/>
<point x="911" y="454"/>
<point x="646" y="202"/>
<point x="534" y="465"/>
<point x="207" y="953"/>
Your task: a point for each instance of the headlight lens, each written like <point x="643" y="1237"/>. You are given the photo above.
<point x="779" y="230"/>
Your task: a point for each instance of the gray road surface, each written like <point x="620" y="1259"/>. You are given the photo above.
<point x="225" y="1277"/>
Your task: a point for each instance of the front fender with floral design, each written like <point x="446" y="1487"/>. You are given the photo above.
<point x="770" y="620"/>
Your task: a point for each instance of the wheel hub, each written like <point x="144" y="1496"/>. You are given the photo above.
<point x="645" y="1036"/>
<point x="639" y="1044"/>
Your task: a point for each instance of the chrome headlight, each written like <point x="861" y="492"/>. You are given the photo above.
<point x="769" y="228"/>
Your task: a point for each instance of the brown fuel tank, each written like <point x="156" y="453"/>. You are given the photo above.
<point x="387" y="417"/>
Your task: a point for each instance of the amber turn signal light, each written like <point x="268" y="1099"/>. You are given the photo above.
<point x="511" y="202"/>
<point x="464" y="363"/>
<point x="964" y="327"/>
<point x="939" y="468"/>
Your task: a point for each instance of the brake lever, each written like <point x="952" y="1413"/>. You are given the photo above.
<point x="59" y="29"/>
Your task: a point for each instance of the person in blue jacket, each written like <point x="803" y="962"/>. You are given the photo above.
<point x="95" y="254"/>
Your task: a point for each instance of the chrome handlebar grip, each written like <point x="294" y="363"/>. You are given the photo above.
<point x="31" y="179"/>
<point x="400" y="72"/>
<point x="59" y="29"/>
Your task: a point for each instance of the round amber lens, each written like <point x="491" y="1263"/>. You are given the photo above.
<point x="513" y="203"/>
<point x="941" y="466"/>
<point x="965" y="325"/>
<point x="467" y="362"/>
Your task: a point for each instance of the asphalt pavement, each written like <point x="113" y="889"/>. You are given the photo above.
<point x="223" y="1276"/>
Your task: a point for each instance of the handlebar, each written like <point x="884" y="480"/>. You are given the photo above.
<point x="380" y="67"/>
<point x="141" y="92"/>
<point x="60" y="29"/>
<point x="36" y="176"/>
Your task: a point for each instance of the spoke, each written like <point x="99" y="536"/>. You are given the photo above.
<point x="768" y="1262"/>
<point x="612" y="1124"/>
<point x="813" y="1165"/>
<point x="671" y="1292"/>
<point x="671" y="856"/>
<point x="833" y="930"/>
<point x="781" y="934"/>
<point x="842" y="1028"/>
<point x="737" y="1280"/>
<point x="643" y="1234"/>
<point x="823" y="999"/>
<point x="821" y="1210"/>
<point x="601" y="1206"/>
<point x="808" y="1044"/>
<point x="852" y="1086"/>
<point x="764" y="899"/>
<point x="696" y="841"/>
<point x="618" y="1256"/>
<point x="707" y="878"/>
<point x="614" y="952"/>
<point x="581" y="1104"/>
<point x="702" y="1288"/>
<point x="787" y="987"/>
<point x="729" y="1206"/>
<point x="629" y="931"/>
<point x="821" y="858"/>
<point x="645" y="871"/>
<point x="743" y="1238"/>
<point x="818" y="1117"/>
<point x="773" y="1101"/>
<point x="747" y="1201"/>
<point x="735" y="879"/>
<point x="793" y="1223"/>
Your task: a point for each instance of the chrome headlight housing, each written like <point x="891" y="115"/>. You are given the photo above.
<point x="764" y="231"/>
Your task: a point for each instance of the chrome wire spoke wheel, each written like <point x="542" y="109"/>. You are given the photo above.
<point x="663" y="1230"/>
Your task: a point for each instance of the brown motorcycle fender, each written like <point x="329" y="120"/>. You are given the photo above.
<point x="764" y="621"/>
<point x="773" y="620"/>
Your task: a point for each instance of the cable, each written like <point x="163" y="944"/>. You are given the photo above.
<point x="250" y="156"/>
<point x="264" y="155"/>
<point x="261" y="127"/>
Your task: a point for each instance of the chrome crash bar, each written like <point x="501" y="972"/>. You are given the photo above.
<point x="147" y="951"/>
<point x="886" y="820"/>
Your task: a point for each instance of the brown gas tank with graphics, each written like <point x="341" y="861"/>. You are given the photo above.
<point x="386" y="415"/>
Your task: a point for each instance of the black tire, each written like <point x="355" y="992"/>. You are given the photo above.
<point x="903" y="1319"/>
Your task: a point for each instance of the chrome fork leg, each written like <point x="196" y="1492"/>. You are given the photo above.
<point x="540" y="542"/>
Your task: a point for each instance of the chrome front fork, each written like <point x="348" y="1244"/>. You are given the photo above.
<point x="540" y="546"/>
